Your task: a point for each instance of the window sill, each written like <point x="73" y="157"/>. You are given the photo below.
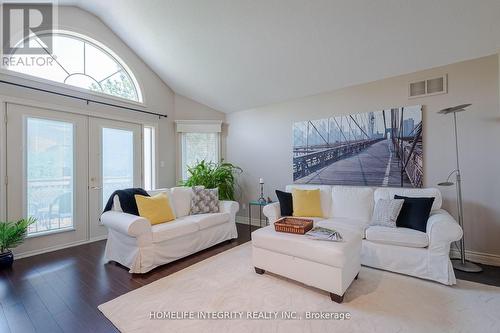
<point x="50" y="232"/>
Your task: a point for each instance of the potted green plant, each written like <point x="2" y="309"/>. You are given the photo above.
<point x="214" y="175"/>
<point x="11" y="235"/>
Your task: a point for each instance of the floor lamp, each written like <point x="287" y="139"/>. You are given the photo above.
<point x="460" y="264"/>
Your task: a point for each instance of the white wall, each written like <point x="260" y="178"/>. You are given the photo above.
<point x="187" y="109"/>
<point x="260" y="140"/>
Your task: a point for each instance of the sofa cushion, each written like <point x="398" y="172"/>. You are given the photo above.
<point x="306" y="203"/>
<point x="390" y="192"/>
<point x="325" y="193"/>
<point x="181" y="198"/>
<point x="204" y="200"/>
<point x="343" y="223"/>
<point x="176" y="228"/>
<point x="286" y="203"/>
<point x="205" y="221"/>
<point x="386" y="212"/>
<point x="414" y="213"/>
<point x="335" y="254"/>
<point x="157" y="209"/>
<point x="352" y="202"/>
<point x="397" y="236"/>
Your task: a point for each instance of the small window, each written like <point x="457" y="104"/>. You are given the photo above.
<point x="80" y="62"/>
<point x="149" y="158"/>
<point x="197" y="147"/>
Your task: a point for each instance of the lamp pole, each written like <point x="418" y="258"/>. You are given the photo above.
<point x="459" y="196"/>
<point x="459" y="264"/>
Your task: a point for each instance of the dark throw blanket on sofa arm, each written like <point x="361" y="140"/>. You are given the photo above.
<point x="127" y="200"/>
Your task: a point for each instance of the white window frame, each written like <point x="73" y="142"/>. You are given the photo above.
<point x="195" y="126"/>
<point x="3" y="158"/>
<point x="153" y="151"/>
<point x="136" y="81"/>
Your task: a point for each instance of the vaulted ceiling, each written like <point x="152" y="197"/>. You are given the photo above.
<point x="238" y="54"/>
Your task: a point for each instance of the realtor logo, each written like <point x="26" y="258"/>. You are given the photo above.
<point x="22" y="20"/>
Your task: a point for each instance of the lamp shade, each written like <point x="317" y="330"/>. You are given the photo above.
<point x="458" y="108"/>
<point x="447" y="183"/>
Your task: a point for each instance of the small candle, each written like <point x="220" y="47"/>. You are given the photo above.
<point x="261" y="181"/>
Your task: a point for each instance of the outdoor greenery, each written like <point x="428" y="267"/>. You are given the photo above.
<point x="121" y="87"/>
<point x="214" y="175"/>
<point x="13" y="233"/>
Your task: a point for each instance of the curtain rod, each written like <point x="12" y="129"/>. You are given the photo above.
<point x="84" y="99"/>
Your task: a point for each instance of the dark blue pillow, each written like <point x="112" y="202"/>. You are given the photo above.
<point x="286" y="203"/>
<point x="414" y="213"/>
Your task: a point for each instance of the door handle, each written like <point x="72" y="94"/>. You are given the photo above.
<point x="96" y="188"/>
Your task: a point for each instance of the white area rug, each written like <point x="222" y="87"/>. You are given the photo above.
<point x="377" y="302"/>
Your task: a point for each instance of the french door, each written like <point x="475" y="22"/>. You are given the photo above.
<point x="114" y="163"/>
<point x="61" y="167"/>
<point x="47" y="175"/>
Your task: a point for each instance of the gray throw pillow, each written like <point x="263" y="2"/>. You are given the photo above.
<point x="204" y="200"/>
<point x="386" y="212"/>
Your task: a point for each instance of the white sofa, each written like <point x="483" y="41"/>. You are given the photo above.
<point x="135" y="243"/>
<point x="406" y="251"/>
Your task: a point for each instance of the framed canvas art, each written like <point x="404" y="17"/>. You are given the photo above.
<point x="380" y="148"/>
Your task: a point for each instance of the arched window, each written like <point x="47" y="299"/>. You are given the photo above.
<point x="81" y="62"/>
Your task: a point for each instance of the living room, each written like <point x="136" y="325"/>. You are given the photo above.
<point x="241" y="166"/>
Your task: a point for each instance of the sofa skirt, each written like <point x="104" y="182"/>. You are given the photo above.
<point x="419" y="262"/>
<point x="141" y="255"/>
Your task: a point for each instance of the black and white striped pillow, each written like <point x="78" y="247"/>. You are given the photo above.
<point x="386" y="212"/>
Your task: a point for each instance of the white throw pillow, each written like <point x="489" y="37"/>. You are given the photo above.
<point x="353" y="202"/>
<point x="386" y="212"/>
<point x="181" y="199"/>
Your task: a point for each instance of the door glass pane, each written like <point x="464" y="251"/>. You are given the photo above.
<point x="197" y="147"/>
<point x="49" y="174"/>
<point x="117" y="161"/>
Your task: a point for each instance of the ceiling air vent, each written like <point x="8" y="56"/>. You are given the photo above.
<point x="428" y="87"/>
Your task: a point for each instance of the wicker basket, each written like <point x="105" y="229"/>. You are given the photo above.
<point x="293" y="225"/>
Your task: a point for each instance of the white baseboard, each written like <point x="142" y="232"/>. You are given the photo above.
<point x="255" y="221"/>
<point x="58" y="247"/>
<point x="479" y="257"/>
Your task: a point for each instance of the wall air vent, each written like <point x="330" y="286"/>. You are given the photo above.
<point x="428" y="87"/>
<point x="417" y="88"/>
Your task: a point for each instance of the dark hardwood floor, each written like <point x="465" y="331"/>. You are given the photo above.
<point x="490" y="275"/>
<point x="60" y="291"/>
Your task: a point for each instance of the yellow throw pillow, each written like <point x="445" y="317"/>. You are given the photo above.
<point x="156" y="209"/>
<point x="306" y="203"/>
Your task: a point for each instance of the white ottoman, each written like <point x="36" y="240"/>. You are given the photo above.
<point x="330" y="266"/>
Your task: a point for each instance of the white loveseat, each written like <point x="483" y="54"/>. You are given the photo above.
<point x="136" y="244"/>
<point x="407" y="251"/>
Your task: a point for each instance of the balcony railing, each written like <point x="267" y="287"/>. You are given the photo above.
<point x="50" y="201"/>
